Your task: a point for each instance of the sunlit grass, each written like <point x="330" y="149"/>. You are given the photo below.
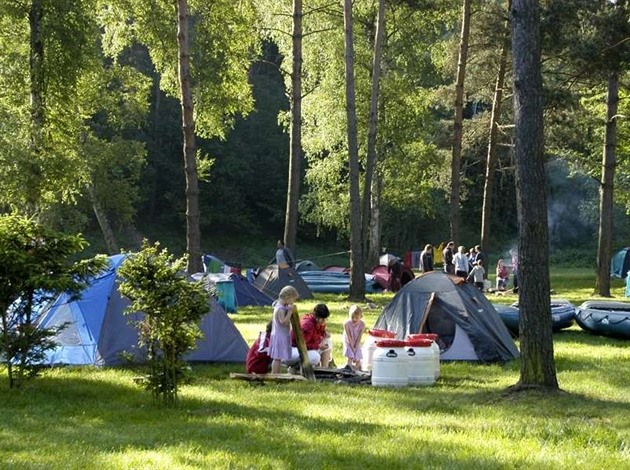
<point x="87" y="418"/>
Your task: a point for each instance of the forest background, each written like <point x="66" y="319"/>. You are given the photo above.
<point x="112" y="158"/>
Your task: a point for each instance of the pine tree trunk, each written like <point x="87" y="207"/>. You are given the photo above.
<point x="375" y="222"/>
<point x="295" y="146"/>
<point x="537" y="362"/>
<point x="38" y="109"/>
<point x="606" y="189"/>
<point x="373" y="127"/>
<point x="456" y="158"/>
<point x="103" y="222"/>
<point x="193" y="231"/>
<point x="357" y="278"/>
<point x="5" y="339"/>
<point x="491" y="160"/>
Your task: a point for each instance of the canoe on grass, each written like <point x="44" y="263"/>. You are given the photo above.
<point x="605" y="317"/>
<point x="562" y="315"/>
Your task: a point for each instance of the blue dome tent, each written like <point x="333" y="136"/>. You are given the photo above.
<point x="98" y="332"/>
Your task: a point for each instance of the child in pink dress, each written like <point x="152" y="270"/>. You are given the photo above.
<point x="280" y="343"/>
<point x="353" y="329"/>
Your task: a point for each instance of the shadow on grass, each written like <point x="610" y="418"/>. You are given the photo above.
<point x="101" y="412"/>
<point x="65" y="415"/>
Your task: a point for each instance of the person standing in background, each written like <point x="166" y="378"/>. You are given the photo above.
<point x="460" y="263"/>
<point x="481" y="256"/>
<point x="476" y="275"/>
<point x="284" y="257"/>
<point x="447" y="258"/>
<point x="395" y="270"/>
<point x="426" y="259"/>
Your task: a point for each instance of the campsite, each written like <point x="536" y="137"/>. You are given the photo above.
<point x="184" y="183"/>
<point x="96" y="417"/>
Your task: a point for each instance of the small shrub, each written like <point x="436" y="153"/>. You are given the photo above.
<point x="156" y="284"/>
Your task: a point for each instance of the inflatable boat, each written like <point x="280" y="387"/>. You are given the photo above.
<point x="509" y="316"/>
<point x="562" y="315"/>
<point x="605" y="317"/>
<point x="335" y="282"/>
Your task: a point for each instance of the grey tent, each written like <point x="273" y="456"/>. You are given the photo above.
<point x="272" y="279"/>
<point x="98" y="333"/>
<point x="468" y="326"/>
<point x="307" y="265"/>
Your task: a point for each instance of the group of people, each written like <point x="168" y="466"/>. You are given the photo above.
<point x="503" y="272"/>
<point x="467" y="265"/>
<point x="277" y="345"/>
<point x="472" y="266"/>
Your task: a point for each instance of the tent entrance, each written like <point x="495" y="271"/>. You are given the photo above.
<point x="439" y="322"/>
<point x="453" y="340"/>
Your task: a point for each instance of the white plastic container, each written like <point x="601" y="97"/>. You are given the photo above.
<point x="369" y="345"/>
<point x="434" y="347"/>
<point x="421" y="364"/>
<point x="390" y="364"/>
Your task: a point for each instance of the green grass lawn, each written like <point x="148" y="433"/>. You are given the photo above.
<point x="84" y="418"/>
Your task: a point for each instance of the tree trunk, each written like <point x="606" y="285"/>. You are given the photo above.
<point x="491" y="159"/>
<point x="193" y="231"/>
<point x="357" y="277"/>
<point x="38" y="109"/>
<point x="537" y="362"/>
<point x="295" y="146"/>
<point x="458" y="122"/>
<point x="103" y="222"/>
<point x="375" y="222"/>
<point x="156" y="137"/>
<point x="606" y="189"/>
<point x="372" y="127"/>
<point x="5" y="339"/>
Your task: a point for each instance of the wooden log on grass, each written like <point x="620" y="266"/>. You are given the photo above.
<point x="307" y="367"/>
<point x="266" y="377"/>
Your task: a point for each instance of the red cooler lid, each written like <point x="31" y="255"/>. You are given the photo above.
<point x="431" y="336"/>
<point x="419" y="343"/>
<point x="390" y="343"/>
<point x="382" y="333"/>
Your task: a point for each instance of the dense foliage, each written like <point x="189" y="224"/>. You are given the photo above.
<point x="109" y="156"/>
<point x="35" y="266"/>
